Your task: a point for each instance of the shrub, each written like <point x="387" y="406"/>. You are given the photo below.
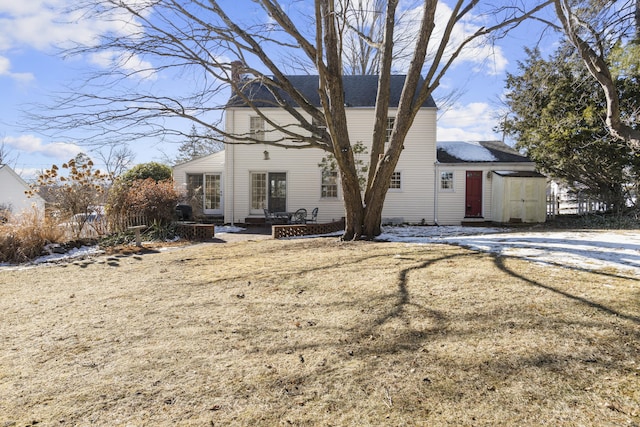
<point x="25" y="240"/>
<point x="156" y="171"/>
<point x="74" y="194"/>
<point x="140" y="201"/>
<point x="154" y="200"/>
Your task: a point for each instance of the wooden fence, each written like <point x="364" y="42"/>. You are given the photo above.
<point x="122" y="223"/>
<point x="576" y="205"/>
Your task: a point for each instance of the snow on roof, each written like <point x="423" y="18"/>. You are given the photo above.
<point x="468" y="151"/>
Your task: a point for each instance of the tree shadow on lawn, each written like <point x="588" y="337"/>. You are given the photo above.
<point x="448" y="336"/>
<point x="500" y="264"/>
<point x="618" y="254"/>
<point x="415" y="353"/>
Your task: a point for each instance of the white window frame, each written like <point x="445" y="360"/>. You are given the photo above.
<point x="450" y="179"/>
<point x="265" y="191"/>
<point x="391" y="121"/>
<point x="212" y="196"/>
<point x="257" y="127"/>
<point x="323" y="184"/>
<point x="399" y="179"/>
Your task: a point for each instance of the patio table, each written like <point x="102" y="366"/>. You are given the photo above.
<point x="283" y="216"/>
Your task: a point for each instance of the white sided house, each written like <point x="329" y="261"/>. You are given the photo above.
<point x="487" y="181"/>
<point x="13" y="198"/>
<point x="200" y="182"/>
<point x="243" y="180"/>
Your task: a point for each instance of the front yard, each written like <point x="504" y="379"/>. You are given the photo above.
<point x="318" y="332"/>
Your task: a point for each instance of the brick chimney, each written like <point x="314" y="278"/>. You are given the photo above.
<point x="237" y="68"/>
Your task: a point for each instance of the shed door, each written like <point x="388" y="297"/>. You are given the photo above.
<point x="473" y="200"/>
<point x="524" y="200"/>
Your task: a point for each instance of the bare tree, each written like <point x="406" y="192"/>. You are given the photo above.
<point x="6" y="156"/>
<point x="197" y="145"/>
<point x="594" y="27"/>
<point x="201" y="39"/>
<point x="117" y="158"/>
<point x="364" y="35"/>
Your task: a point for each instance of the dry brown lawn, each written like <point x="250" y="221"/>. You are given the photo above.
<point x="317" y="332"/>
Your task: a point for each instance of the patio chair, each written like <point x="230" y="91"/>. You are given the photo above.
<point x="314" y="215"/>
<point x="268" y="217"/>
<point x="299" y="217"/>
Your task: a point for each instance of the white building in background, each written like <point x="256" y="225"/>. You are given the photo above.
<point x="13" y="197"/>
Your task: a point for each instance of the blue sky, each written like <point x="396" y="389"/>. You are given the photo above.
<point x="32" y="71"/>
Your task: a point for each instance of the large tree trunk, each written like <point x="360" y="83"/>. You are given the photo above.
<point x="354" y="211"/>
<point x="372" y="225"/>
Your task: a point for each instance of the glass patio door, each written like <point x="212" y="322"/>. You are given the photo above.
<point x="212" y="194"/>
<point x="277" y="191"/>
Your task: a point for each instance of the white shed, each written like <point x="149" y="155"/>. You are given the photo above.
<point x="518" y="196"/>
<point x="470" y="191"/>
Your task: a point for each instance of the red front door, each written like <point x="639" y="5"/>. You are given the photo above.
<point x="473" y="202"/>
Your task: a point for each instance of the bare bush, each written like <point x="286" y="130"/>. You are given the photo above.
<point x="25" y="240"/>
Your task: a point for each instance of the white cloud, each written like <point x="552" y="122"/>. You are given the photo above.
<point x="42" y="24"/>
<point x="45" y="25"/>
<point x="124" y="61"/>
<point x="28" y="174"/>
<point x="471" y="122"/>
<point x="5" y="70"/>
<point x="33" y="145"/>
<point x="487" y="58"/>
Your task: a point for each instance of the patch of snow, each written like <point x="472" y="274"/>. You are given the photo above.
<point x="467" y="151"/>
<point x="228" y="229"/>
<point x="589" y="250"/>
<point x="76" y="253"/>
<point x="81" y="252"/>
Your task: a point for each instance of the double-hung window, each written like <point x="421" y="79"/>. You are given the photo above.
<point x="390" y="122"/>
<point x="396" y="181"/>
<point x="446" y="181"/>
<point x="329" y="185"/>
<point x="256" y="127"/>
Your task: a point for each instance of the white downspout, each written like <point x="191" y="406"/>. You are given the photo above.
<point x="436" y="170"/>
<point x="231" y="120"/>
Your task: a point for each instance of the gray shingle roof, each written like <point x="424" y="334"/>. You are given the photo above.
<point x="455" y="152"/>
<point x="520" y="174"/>
<point x="359" y="91"/>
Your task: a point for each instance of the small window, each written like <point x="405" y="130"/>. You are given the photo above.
<point x="256" y="127"/>
<point x="446" y="181"/>
<point x="396" y="181"/>
<point x="329" y="186"/>
<point x="390" y="122"/>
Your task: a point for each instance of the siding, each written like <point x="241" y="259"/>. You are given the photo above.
<point x="213" y="163"/>
<point x="413" y="203"/>
<point x="520" y="199"/>
<point x="451" y="204"/>
<point x="12" y="189"/>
